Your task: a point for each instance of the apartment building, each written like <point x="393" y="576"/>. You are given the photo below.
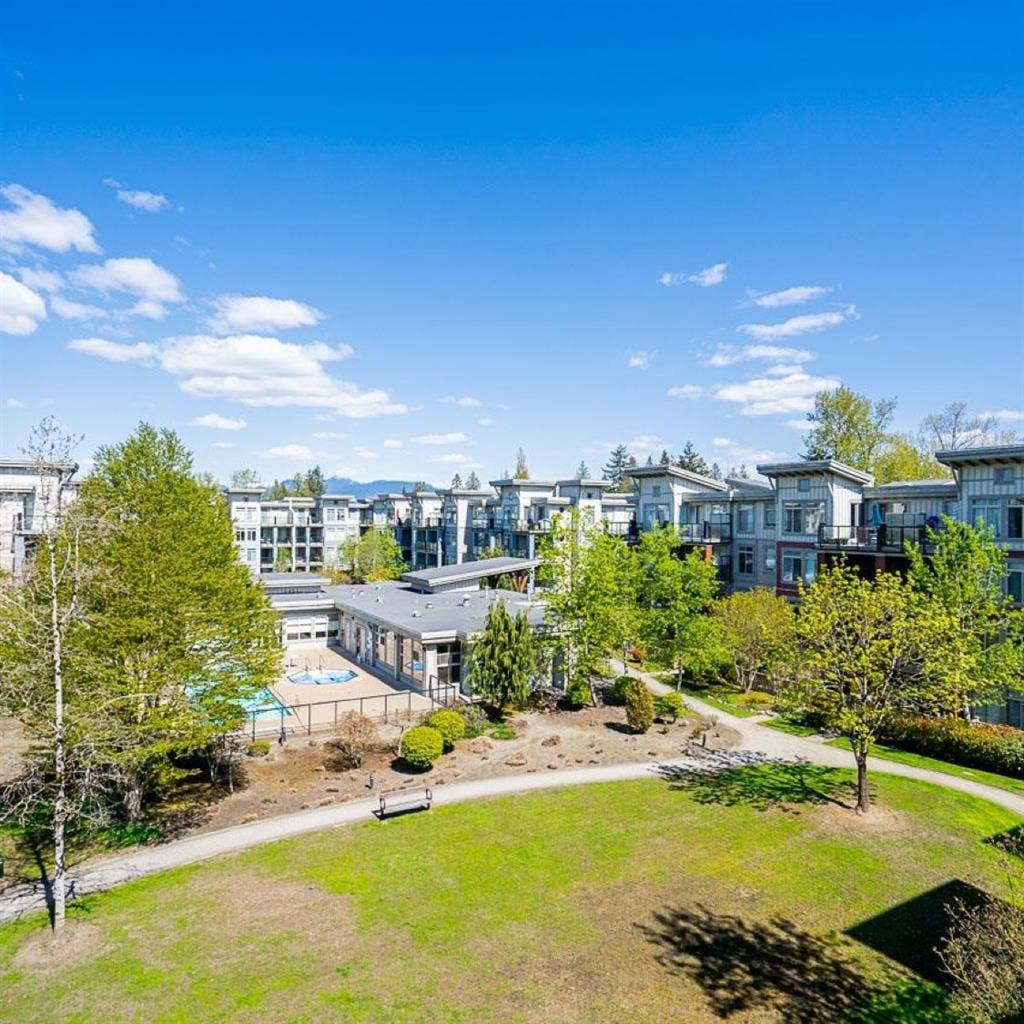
<point x="28" y="502"/>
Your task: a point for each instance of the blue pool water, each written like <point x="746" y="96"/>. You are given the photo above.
<point x="263" y="705"/>
<point x="323" y="677"/>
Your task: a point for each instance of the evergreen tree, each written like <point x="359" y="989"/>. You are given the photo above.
<point x="692" y="461"/>
<point x="501" y="659"/>
<point x="666" y="459"/>
<point x="582" y="471"/>
<point x="472" y="481"/>
<point x="650" y="460"/>
<point x="616" y="464"/>
<point x="715" y="472"/>
<point x="315" y="485"/>
<point x="456" y="482"/>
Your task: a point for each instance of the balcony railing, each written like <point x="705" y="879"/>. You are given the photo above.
<point x="706" y="532"/>
<point x="886" y="537"/>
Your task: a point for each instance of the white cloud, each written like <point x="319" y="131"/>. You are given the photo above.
<point x="806" y="323"/>
<point x="465" y="402"/>
<point x="148" y="308"/>
<point x="222" y="444"/>
<point x="485" y="421"/>
<point x="255" y="370"/>
<point x="795" y="424"/>
<point x="14" y="403"/>
<point x="40" y="279"/>
<point x="784" y="369"/>
<point x="744" y="453"/>
<point x="256" y="313"/>
<point x="138" y="276"/>
<point x="764" y="396"/>
<point x="329" y="435"/>
<point x="287" y="451"/>
<point x="36" y="221"/>
<point x="365" y="453"/>
<point x="150" y="202"/>
<point x="1005" y="415"/>
<point x="454" y="437"/>
<point x="68" y="309"/>
<point x="727" y="355"/>
<point x="215" y="421"/>
<point x="638" y="359"/>
<point x="791" y="296"/>
<point x="21" y="309"/>
<point x="115" y="351"/>
<point x="685" y="391"/>
<point x="454" y="459"/>
<point x="706" y="278"/>
<point x="392" y="442"/>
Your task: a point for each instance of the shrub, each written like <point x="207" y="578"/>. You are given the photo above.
<point x="994" y="748"/>
<point x="474" y="720"/>
<point x="669" y="706"/>
<point x="637" y="653"/>
<point x="639" y="706"/>
<point x="578" y="693"/>
<point x="356" y="735"/>
<point x="754" y="700"/>
<point x="451" y="726"/>
<point x="604" y="670"/>
<point x="421" y="746"/>
<point x="258" y="748"/>
<point x="616" y="693"/>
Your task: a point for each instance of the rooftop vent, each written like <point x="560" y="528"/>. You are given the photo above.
<point x="465" y="602"/>
<point x="416" y="613"/>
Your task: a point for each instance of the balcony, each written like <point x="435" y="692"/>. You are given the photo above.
<point x="888" y="537"/>
<point x="707" y="532"/>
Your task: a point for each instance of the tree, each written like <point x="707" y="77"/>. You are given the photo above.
<point x="739" y="472"/>
<point x="616" y="465"/>
<point x="472" y="481"/>
<point x="960" y="571"/>
<point x="245" y="478"/>
<point x="692" y="461"/>
<point x="41" y="623"/>
<point x="901" y="459"/>
<point x="665" y="459"/>
<point x="954" y="428"/>
<point x="676" y="594"/>
<point x="501" y="659"/>
<point x="375" y="556"/>
<point x="846" y="426"/>
<point x="179" y="634"/>
<point x="715" y="472"/>
<point x="276" y="491"/>
<point x="315" y="484"/>
<point x="639" y="706"/>
<point x="582" y="471"/>
<point x="758" y="636"/>
<point x="456" y="482"/>
<point x="865" y="648"/>
<point x="283" y="560"/>
<point x="522" y="469"/>
<point x="589" y="596"/>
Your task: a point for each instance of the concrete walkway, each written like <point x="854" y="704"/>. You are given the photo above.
<point x="756" y="741"/>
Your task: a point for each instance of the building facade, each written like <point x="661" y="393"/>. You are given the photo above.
<point x="28" y="504"/>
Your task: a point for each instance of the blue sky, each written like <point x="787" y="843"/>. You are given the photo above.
<point x="555" y="225"/>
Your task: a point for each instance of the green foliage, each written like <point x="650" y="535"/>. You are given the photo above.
<point x="456" y="483"/>
<point x="474" y="721"/>
<point x="522" y="469"/>
<point x="675" y="595"/>
<point x="618" y="465"/>
<point x="374" y="557"/>
<point x="501" y="659"/>
<point x="258" y="748"/>
<point x="617" y="692"/>
<point x="283" y="560"/>
<point x="450" y="724"/>
<point x="758" y="635"/>
<point x="901" y="459"/>
<point x="245" y="478"/>
<point x="669" y="706"/>
<point x="578" y="693"/>
<point x="582" y="471"/>
<point x="846" y="426"/>
<point x="692" y="461"/>
<point x="960" y="575"/>
<point x="421" y="746"/>
<point x="179" y="634"/>
<point x="639" y="706"/>
<point x="992" y="748"/>
<point x="472" y="481"/>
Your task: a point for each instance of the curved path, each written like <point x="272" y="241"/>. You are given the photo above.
<point x="756" y="742"/>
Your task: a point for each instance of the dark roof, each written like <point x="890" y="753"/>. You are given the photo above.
<point x="466" y="572"/>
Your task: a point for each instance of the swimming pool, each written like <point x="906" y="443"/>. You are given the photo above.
<point x="263" y="705"/>
<point x="323" y="677"/>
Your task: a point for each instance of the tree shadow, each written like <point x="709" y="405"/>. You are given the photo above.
<point x="732" y="778"/>
<point x="774" y="966"/>
<point x="1010" y="842"/>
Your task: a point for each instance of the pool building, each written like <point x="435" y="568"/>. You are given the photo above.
<point x="411" y="631"/>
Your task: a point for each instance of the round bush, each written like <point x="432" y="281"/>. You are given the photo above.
<point x="578" y="693"/>
<point x="669" y="705"/>
<point x="421" y="746"/>
<point x="450" y="724"/>
<point x="617" y="693"/>
<point x="639" y="706"/>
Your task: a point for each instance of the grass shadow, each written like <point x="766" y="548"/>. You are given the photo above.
<point x="775" y="967"/>
<point x="741" y="778"/>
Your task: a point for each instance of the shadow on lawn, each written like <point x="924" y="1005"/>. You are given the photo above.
<point x="735" y="778"/>
<point x="774" y="966"/>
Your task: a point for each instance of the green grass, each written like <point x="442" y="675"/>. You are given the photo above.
<point x="614" y="902"/>
<point x="793" y="728"/>
<point x="1011" y="785"/>
<point x="722" y="698"/>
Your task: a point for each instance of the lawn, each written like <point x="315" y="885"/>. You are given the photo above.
<point x="1011" y="785"/>
<point x="687" y="900"/>
<point x="727" y="699"/>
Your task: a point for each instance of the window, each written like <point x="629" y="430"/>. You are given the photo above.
<point x="985" y="512"/>
<point x="1015" y="585"/>
<point x="1003" y="474"/>
<point x="656" y="490"/>
<point x="745" y="562"/>
<point x="798" y="565"/>
<point x="793" y="519"/>
<point x="745" y="519"/>
<point x="803" y="485"/>
<point x="329" y="515"/>
<point x="769" y="559"/>
<point x="689" y="514"/>
<point x="769" y="518"/>
<point x="1015" y="519"/>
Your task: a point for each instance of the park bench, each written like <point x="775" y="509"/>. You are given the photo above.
<point x="405" y="800"/>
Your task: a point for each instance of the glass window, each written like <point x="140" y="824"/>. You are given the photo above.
<point x="689" y="514"/>
<point x="1015" y="519"/>
<point x="793" y="518"/>
<point x="769" y="517"/>
<point x="985" y="512"/>
<point x="745" y="560"/>
<point x="1015" y="586"/>
<point x="1003" y="474"/>
<point x="656" y="490"/>
<point x="745" y="519"/>
<point x="803" y="484"/>
<point x="769" y="559"/>
<point x="798" y="565"/>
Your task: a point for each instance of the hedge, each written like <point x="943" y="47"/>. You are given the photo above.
<point x="993" y="748"/>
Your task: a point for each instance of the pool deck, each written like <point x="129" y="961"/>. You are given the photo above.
<point x="323" y="704"/>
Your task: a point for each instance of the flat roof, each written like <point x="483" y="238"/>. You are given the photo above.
<point x="452" y="615"/>
<point x="575" y="481"/>
<point x="466" y="572"/>
<point x="293" y="579"/>
<point x="806" y="466"/>
<point x="682" y="474"/>
<point x="514" y="482"/>
<point x="988" y="453"/>
<point x="944" y="488"/>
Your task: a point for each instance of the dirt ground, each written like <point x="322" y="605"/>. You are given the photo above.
<point x="293" y="777"/>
